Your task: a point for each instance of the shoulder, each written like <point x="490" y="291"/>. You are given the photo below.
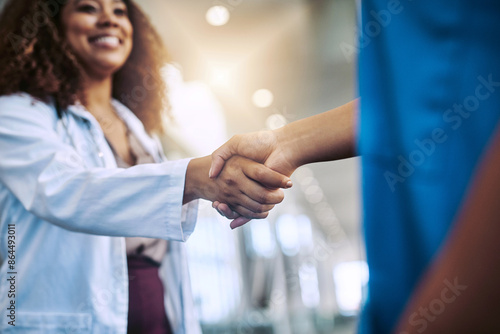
<point x="26" y="107"/>
<point x="23" y="101"/>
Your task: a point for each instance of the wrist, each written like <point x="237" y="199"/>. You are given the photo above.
<point x="288" y="143"/>
<point x="197" y="184"/>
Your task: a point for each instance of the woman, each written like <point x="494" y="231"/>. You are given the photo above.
<point x="90" y="251"/>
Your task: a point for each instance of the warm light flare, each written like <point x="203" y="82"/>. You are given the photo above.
<point x="217" y="16"/>
<point x="263" y="98"/>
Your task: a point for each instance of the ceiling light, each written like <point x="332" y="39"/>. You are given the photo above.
<point x="217" y="16"/>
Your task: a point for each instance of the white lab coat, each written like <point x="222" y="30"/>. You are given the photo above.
<point x="71" y="208"/>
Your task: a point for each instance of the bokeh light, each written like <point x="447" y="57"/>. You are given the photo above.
<point x="218" y="16"/>
<point x="275" y="121"/>
<point x="219" y="77"/>
<point x="350" y="279"/>
<point x="263" y="98"/>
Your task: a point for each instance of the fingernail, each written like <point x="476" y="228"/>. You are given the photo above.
<point x="210" y="173"/>
<point x="289" y="184"/>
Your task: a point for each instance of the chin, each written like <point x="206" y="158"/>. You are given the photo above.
<point x="106" y="68"/>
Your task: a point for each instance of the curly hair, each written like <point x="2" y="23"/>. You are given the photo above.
<point x="35" y="59"/>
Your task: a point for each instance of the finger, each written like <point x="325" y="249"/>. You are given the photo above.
<point x="244" y="212"/>
<point x="221" y="155"/>
<point x="254" y="207"/>
<point x="260" y="196"/>
<point x="220" y="212"/>
<point x="266" y="176"/>
<point x="253" y="197"/>
<point x="226" y="210"/>
<point x="257" y="193"/>
<point x="239" y="222"/>
<point x="246" y="192"/>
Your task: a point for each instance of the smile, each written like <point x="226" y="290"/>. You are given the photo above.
<point x="105" y="41"/>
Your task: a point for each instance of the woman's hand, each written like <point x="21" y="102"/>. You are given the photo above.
<point x="248" y="187"/>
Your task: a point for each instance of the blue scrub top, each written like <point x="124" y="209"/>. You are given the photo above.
<point x="429" y="81"/>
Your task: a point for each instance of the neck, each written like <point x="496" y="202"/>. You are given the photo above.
<point x="98" y="93"/>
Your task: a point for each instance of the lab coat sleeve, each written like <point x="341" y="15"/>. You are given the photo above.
<point x="47" y="176"/>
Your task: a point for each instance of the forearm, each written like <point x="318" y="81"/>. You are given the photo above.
<point x="324" y="137"/>
<point x="471" y="257"/>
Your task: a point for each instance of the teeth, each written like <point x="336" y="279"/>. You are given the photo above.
<point x="110" y="40"/>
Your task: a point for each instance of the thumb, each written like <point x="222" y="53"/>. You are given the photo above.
<point x="221" y="155"/>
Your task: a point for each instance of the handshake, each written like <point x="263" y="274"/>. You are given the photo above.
<point x="245" y="179"/>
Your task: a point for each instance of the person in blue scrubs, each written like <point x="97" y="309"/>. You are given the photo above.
<point x="429" y="85"/>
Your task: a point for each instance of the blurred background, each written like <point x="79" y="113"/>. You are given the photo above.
<point x="247" y="65"/>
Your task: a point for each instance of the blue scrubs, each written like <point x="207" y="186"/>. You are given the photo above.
<point x="429" y="76"/>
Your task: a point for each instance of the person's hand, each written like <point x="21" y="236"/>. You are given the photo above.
<point x="261" y="146"/>
<point x="324" y="137"/>
<point x="248" y="187"/>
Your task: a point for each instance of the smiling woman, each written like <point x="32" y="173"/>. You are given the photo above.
<point x="101" y="36"/>
<point x="37" y="57"/>
<point x="100" y="217"/>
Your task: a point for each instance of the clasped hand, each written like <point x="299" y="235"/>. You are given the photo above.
<point x="247" y="188"/>
<point x="262" y="147"/>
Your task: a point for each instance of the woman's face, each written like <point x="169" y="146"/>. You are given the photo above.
<point x="99" y="33"/>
